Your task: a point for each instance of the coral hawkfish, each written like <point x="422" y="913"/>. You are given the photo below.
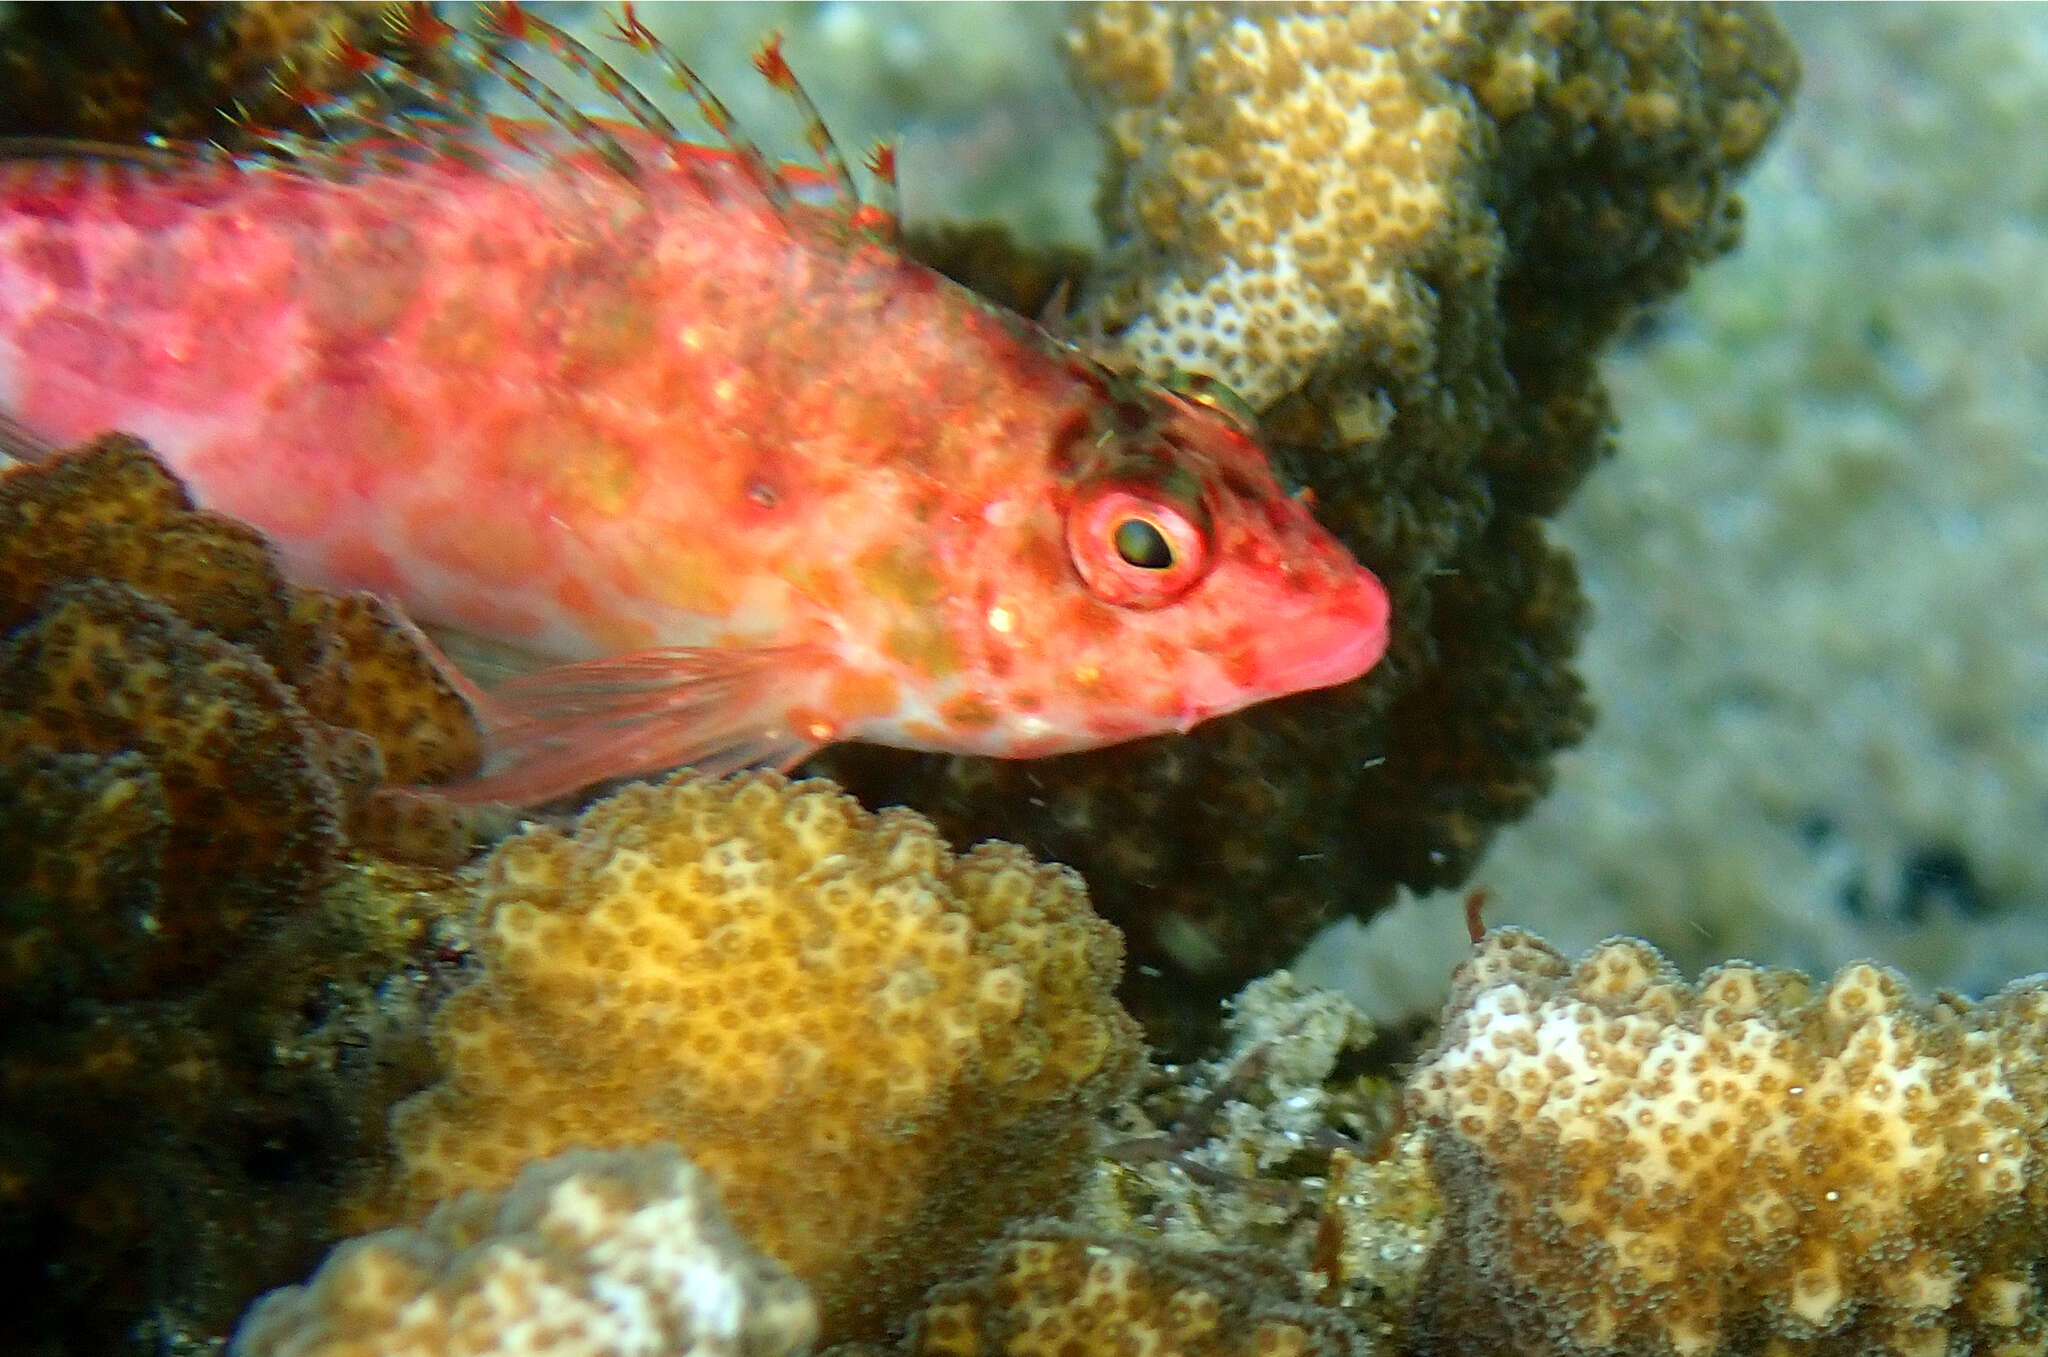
<point x="747" y="478"/>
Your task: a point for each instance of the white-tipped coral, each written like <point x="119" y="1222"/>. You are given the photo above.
<point x="1635" y="1165"/>
<point x="617" y="1254"/>
<point x="1303" y="159"/>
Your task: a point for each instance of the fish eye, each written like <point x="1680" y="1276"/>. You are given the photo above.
<point x="1137" y="546"/>
<point x="1140" y="543"/>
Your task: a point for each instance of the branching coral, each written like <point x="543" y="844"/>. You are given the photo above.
<point x="1405" y="232"/>
<point x="619" y="1254"/>
<point x="1635" y="1165"/>
<point x="877" y="1050"/>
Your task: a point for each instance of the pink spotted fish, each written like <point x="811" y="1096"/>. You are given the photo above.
<point x="740" y="475"/>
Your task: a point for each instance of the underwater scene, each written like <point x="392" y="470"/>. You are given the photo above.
<point x="1014" y="680"/>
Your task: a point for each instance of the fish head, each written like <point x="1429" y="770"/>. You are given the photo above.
<point x="1163" y="577"/>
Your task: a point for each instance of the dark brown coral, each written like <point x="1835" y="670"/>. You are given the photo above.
<point x="196" y="978"/>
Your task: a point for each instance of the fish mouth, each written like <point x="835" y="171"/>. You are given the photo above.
<point x="1337" y="642"/>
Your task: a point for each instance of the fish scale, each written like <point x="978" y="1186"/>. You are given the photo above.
<point x="738" y="475"/>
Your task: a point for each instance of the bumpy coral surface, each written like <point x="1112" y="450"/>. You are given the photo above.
<point x="877" y="1050"/>
<point x="1405" y="231"/>
<point x="253" y="809"/>
<point x="618" y="1254"/>
<point x="1819" y="565"/>
<point x="1635" y="1165"/>
<point x="1052" y="1290"/>
<point x="339" y="683"/>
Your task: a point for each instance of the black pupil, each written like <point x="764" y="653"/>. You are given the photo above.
<point x="1141" y="544"/>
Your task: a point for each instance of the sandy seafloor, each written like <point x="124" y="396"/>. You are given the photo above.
<point x="1820" y="562"/>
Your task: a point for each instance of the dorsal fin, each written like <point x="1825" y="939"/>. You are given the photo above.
<point x="768" y="60"/>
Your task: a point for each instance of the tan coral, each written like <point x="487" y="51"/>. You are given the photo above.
<point x="620" y="1254"/>
<point x="1635" y="1165"/>
<point x="879" y="1051"/>
<point x="109" y="510"/>
<point x="1302" y="159"/>
<point x="1052" y="1291"/>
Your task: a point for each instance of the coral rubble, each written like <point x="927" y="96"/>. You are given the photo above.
<point x="1633" y="1165"/>
<point x="1406" y="232"/>
<point x="621" y="1254"/>
<point x="879" y="1052"/>
<point x="1054" y="1289"/>
<point x="1284" y="1147"/>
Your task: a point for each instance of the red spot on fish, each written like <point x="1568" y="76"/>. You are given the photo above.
<point x="53" y="255"/>
<point x="150" y="201"/>
<point x="359" y="283"/>
<point x="343" y="407"/>
<point x="42" y="189"/>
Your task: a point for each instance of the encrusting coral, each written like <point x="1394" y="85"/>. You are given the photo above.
<point x="615" y="1254"/>
<point x="1404" y="232"/>
<point x="878" y="1051"/>
<point x="1634" y="1165"/>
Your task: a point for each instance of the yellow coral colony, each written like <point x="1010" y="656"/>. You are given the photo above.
<point x="1634" y="1165"/>
<point x="878" y="1051"/>
<point x="622" y="1253"/>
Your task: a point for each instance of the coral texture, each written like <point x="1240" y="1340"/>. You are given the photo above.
<point x="188" y="603"/>
<point x="1635" y="1165"/>
<point x="1051" y="1289"/>
<point x="253" y="807"/>
<point x="877" y="1050"/>
<point x="616" y="1254"/>
<point x="1405" y="231"/>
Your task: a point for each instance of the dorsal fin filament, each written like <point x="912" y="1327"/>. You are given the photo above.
<point x="636" y="35"/>
<point x="769" y="61"/>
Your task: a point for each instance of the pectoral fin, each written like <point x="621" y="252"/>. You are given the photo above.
<point x="562" y="729"/>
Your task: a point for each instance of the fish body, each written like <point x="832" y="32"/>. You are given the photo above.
<point x="748" y="477"/>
